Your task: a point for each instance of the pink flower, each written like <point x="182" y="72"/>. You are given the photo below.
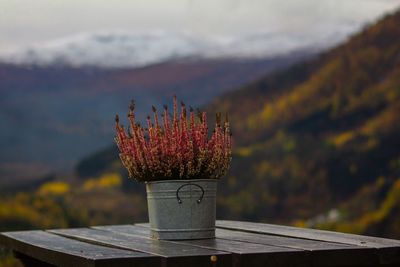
<point x="179" y="149"/>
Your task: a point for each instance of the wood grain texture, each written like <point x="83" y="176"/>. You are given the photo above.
<point x="237" y="244"/>
<point x="320" y="253"/>
<point x="172" y="253"/>
<point x="61" y="251"/>
<point x="315" y="253"/>
<point x="243" y="252"/>
<point x="126" y="229"/>
<point x="387" y="250"/>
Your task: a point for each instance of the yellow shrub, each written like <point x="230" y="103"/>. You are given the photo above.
<point x="54" y="188"/>
<point x="342" y="138"/>
<point x="376" y="216"/>
<point x="244" y="151"/>
<point x="108" y="180"/>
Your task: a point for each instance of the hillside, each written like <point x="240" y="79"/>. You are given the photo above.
<point x="316" y="144"/>
<point x="53" y="115"/>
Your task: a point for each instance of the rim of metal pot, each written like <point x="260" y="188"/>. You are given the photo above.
<point x="181" y="180"/>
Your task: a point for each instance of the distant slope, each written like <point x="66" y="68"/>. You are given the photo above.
<point x="308" y="138"/>
<point x="52" y="116"/>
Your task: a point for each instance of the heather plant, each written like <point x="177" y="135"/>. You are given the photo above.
<point x="174" y="148"/>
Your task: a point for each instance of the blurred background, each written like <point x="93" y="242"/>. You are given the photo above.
<point x="312" y="88"/>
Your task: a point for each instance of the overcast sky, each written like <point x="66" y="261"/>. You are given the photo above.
<point x="25" y="22"/>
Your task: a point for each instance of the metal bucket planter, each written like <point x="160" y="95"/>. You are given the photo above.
<point x="182" y="209"/>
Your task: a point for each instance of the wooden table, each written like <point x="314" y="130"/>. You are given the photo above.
<point x="237" y="244"/>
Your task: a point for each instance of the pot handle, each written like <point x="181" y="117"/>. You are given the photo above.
<point x="200" y="198"/>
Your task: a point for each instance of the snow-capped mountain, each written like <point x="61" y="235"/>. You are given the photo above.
<point x="132" y="49"/>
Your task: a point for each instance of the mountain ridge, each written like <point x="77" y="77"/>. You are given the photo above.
<point x="124" y="49"/>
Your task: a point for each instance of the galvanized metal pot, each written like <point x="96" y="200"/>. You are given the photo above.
<point x="182" y="209"/>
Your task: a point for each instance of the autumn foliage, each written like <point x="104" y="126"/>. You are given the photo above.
<point x="174" y="148"/>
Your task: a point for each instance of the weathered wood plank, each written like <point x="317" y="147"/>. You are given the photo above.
<point x="281" y="230"/>
<point x="252" y="254"/>
<point x="245" y="253"/>
<point x="388" y="250"/>
<point x="283" y="241"/>
<point x="321" y="253"/>
<point x="61" y="251"/>
<point x="125" y="229"/>
<point x="147" y="225"/>
<point x="172" y="254"/>
<point x="237" y="244"/>
<point x="318" y="253"/>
